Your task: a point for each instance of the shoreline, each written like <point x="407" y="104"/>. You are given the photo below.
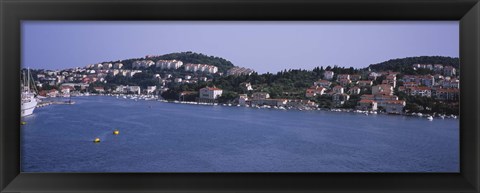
<point x="137" y="97"/>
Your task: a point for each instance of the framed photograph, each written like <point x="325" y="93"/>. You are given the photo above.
<point x="243" y="96"/>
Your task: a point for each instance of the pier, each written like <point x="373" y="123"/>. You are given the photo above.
<point x="46" y="103"/>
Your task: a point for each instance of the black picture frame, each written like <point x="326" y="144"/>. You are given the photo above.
<point x="12" y="12"/>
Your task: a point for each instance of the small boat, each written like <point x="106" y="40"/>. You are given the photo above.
<point x="430" y="118"/>
<point x="96" y="140"/>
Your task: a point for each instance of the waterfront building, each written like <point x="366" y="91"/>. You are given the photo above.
<point x="210" y="93"/>
<point x="107" y="65"/>
<point x="151" y="89"/>
<point x="328" y="75"/>
<point x="134" y="89"/>
<point x="421" y="91"/>
<point x="260" y="95"/>
<point x="113" y="72"/>
<point x="98" y="66"/>
<point x="99" y="89"/>
<point x="243" y="99"/>
<point x="385" y="96"/>
<point x="393" y="106"/>
<point x="117" y="65"/>
<point x="367" y="105"/>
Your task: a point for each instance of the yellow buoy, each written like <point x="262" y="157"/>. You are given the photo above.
<point x="116" y="132"/>
<point x="97" y="140"/>
<point x="23" y="123"/>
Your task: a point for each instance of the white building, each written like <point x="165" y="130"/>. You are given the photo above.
<point x="142" y="64"/>
<point x="133" y="72"/>
<point x="134" y="89"/>
<point x="393" y="106"/>
<point x="210" y="93"/>
<point x="117" y="65"/>
<point x="201" y="68"/>
<point x="169" y="64"/>
<point x="151" y="89"/>
<point x="242" y="99"/>
<point x="260" y="95"/>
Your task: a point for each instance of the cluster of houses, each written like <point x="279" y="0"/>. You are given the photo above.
<point x="99" y="73"/>
<point x="201" y="68"/>
<point x="442" y="86"/>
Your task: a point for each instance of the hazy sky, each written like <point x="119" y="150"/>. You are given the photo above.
<point x="262" y="46"/>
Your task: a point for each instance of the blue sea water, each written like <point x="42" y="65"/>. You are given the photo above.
<point x="166" y="137"/>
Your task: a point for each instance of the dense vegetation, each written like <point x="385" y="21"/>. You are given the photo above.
<point x="186" y="57"/>
<point x="404" y="65"/>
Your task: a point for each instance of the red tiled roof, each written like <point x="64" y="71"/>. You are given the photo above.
<point x="366" y="101"/>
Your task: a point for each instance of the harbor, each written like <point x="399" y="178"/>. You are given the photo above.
<point x="211" y="138"/>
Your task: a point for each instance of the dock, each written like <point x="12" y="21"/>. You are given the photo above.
<point x="46" y="103"/>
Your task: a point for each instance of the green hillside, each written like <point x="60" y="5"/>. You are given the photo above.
<point x="405" y="64"/>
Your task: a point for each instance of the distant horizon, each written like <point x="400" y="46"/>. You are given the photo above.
<point x="261" y="46"/>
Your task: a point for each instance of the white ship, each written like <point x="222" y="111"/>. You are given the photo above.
<point x="28" y="101"/>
